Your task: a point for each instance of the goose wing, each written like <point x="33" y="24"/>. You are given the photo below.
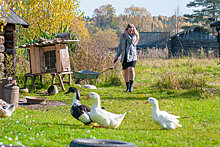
<point x="78" y="110"/>
<point x="85" y="108"/>
<point x="167" y="118"/>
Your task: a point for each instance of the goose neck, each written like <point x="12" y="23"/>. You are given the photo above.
<point x="75" y="101"/>
<point x="155" y="107"/>
<point x="97" y="103"/>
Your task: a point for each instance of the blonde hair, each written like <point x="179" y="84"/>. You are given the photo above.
<point x="135" y="31"/>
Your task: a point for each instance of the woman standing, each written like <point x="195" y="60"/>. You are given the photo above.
<point x="127" y="50"/>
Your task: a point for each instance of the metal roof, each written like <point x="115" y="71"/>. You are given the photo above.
<point x="13" y="18"/>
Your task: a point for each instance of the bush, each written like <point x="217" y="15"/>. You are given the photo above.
<point x="90" y="55"/>
<point x="180" y="80"/>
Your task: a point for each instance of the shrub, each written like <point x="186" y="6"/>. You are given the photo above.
<point x="180" y="80"/>
<point x="90" y="55"/>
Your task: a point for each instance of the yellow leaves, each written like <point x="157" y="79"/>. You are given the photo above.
<point x="49" y="15"/>
<point x="7" y="10"/>
<point x="2" y="28"/>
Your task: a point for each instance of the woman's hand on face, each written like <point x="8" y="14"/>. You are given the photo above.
<point x="130" y="31"/>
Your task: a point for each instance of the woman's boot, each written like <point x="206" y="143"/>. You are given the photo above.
<point x="131" y="86"/>
<point x="128" y="86"/>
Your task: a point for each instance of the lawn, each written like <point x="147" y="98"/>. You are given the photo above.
<point x="198" y="108"/>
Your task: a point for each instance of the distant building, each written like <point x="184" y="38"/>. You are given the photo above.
<point x="153" y="39"/>
<point x="191" y="41"/>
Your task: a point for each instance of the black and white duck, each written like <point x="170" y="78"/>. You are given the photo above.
<point x="79" y="111"/>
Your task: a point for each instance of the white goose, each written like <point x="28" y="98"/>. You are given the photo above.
<point x="162" y="118"/>
<point x="6" y="110"/>
<point x="79" y="111"/>
<point x="103" y="117"/>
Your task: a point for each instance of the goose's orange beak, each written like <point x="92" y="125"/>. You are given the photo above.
<point x="87" y="98"/>
<point x="146" y="102"/>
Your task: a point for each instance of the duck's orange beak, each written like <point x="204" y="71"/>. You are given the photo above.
<point x="146" y="102"/>
<point x="87" y="98"/>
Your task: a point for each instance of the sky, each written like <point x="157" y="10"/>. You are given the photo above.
<point x="155" y="7"/>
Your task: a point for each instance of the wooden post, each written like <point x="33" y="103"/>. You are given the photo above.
<point x="61" y="82"/>
<point x="53" y="78"/>
<point x="58" y="58"/>
<point x="70" y="79"/>
<point x="32" y="58"/>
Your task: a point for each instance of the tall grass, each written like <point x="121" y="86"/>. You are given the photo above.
<point x="91" y="55"/>
<point x="186" y="73"/>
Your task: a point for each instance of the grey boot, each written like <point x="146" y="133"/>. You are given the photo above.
<point x="131" y="86"/>
<point x="128" y="86"/>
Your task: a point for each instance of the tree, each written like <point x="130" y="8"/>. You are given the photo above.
<point x="206" y="8"/>
<point x="138" y="16"/>
<point x="104" y="16"/>
<point x="50" y="16"/>
<point x="2" y="18"/>
<point x="107" y="38"/>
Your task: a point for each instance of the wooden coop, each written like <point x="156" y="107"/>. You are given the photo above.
<point x="50" y="57"/>
<point x="8" y="37"/>
<point x="191" y="41"/>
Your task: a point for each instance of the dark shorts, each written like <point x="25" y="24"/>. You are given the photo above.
<point x="126" y="64"/>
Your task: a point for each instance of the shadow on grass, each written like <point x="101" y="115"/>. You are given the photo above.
<point x="73" y="126"/>
<point x="193" y="94"/>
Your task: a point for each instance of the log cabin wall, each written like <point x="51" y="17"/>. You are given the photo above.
<point x="191" y="42"/>
<point x="10" y="51"/>
<point x="8" y="48"/>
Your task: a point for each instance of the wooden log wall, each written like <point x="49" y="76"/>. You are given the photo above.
<point x="10" y="42"/>
<point x="191" y="43"/>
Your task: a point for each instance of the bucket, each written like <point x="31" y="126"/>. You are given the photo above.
<point x="11" y="93"/>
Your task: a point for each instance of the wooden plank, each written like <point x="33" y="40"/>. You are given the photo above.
<point x="58" y="58"/>
<point x="10" y="27"/>
<point x="9" y="45"/>
<point x="62" y="46"/>
<point x="37" y="59"/>
<point x="2" y="33"/>
<point x="42" y="59"/>
<point x="65" y="60"/>
<point x="49" y="48"/>
<point x="61" y="82"/>
<point x="10" y="35"/>
<point x="32" y="58"/>
<point x="53" y="78"/>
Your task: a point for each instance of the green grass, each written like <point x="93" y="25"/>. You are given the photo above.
<point x="198" y="109"/>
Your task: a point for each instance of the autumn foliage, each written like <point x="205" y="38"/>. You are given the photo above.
<point x="49" y="16"/>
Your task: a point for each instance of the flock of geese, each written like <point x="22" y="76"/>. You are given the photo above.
<point x="107" y="119"/>
<point x="98" y="115"/>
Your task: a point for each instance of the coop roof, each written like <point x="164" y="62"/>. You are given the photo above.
<point x="13" y="18"/>
<point x="189" y="30"/>
<point x="48" y="43"/>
